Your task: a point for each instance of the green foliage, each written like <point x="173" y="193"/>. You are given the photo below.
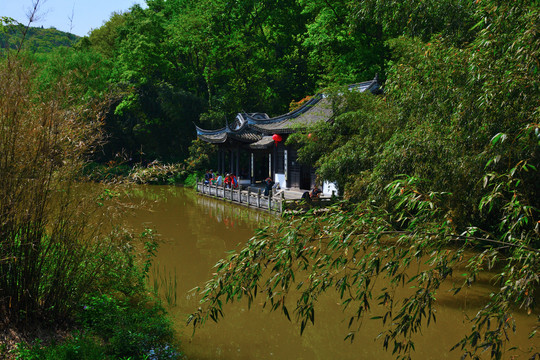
<point x="212" y="119"/>
<point x="103" y="39"/>
<point x="166" y="283"/>
<point x="89" y="74"/>
<point x="111" y="329"/>
<point x="191" y="180"/>
<point x="246" y="54"/>
<point x="157" y="174"/>
<point x="343" y="48"/>
<point x="352" y="142"/>
<point x="120" y="321"/>
<point x="165" y="65"/>
<point x="176" y="60"/>
<point x="80" y="347"/>
<point x="438" y="117"/>
<point x="136" y="330"/>
<point x="149" y="113"/>
<point x="152" y="121"/>
<point x="467" y="106"/>
<point x="452" y="19"/>
<point x="201" y="156"/>
<point x="54" y="248"/>
<point x="36" y="40"/>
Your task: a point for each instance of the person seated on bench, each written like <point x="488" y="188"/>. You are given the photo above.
<point x="315" y="193"/>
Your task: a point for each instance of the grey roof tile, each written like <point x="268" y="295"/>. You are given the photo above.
<point x="252" y="127"/>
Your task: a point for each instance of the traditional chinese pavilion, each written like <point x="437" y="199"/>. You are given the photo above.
<point x="252" y="147"/>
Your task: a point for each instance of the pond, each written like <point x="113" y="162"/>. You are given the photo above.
<point x="197" y="231"/>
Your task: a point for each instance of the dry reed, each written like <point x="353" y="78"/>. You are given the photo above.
<point x="51" y="248"/>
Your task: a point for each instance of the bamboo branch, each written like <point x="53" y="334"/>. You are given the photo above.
<point x="31" y="19"/>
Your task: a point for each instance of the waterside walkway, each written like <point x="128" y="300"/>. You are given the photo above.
<point x="278" y="201"/>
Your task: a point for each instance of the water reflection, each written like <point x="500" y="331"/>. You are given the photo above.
<point x="198" y="231"/>
<point x="230" y="214"/>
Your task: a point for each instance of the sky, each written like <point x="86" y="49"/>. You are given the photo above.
<point x="86" y="14"/>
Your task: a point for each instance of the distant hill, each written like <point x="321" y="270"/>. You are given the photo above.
<point x="37" y="39"/>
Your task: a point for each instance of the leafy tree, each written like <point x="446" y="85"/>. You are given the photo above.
<point x="244" y="52"/>
<point x="36" y="40"/>
<point x="103" y="39"/>
<point x="342" y="47"/>
<point x="452" y="19"/>
<point x="152" y="114"/>
<point x="89" y="69"/>
<point x="201" y="157"/>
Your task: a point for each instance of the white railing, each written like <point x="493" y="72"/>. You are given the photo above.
<point x="251" y="197"/>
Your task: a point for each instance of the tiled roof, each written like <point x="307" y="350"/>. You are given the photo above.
<point x="264" y="143"/>
<point x="245" y="135"/>
<point x="252" y="127"/>
<point x="309" y="106"/>
<point x="219" y="136"/>
<point x="319" y="111"/>
<point x="214" y="139"/>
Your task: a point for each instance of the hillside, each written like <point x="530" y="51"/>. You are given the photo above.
<point x="37" y="39"/>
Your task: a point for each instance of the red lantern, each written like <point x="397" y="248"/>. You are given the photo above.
<point x="277" y="138"/>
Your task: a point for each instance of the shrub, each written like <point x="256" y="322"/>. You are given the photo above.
<point x="111" y="329"/>
<point x="157" y="174"/>
<point x="129" y="329"/>
<point x="201" y="155"/>
<point x="191" y="180"/>
<point x="79" y="347"/>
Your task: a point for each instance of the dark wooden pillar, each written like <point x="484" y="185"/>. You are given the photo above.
<point x="222" y="161"/>
<point x="230" y="161"/>
<point x="237" y="170"/>
<point x="219" y="161"/>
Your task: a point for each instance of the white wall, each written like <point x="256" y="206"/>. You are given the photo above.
<point x="280" y="179"/>
<point x="328" y="187"/>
